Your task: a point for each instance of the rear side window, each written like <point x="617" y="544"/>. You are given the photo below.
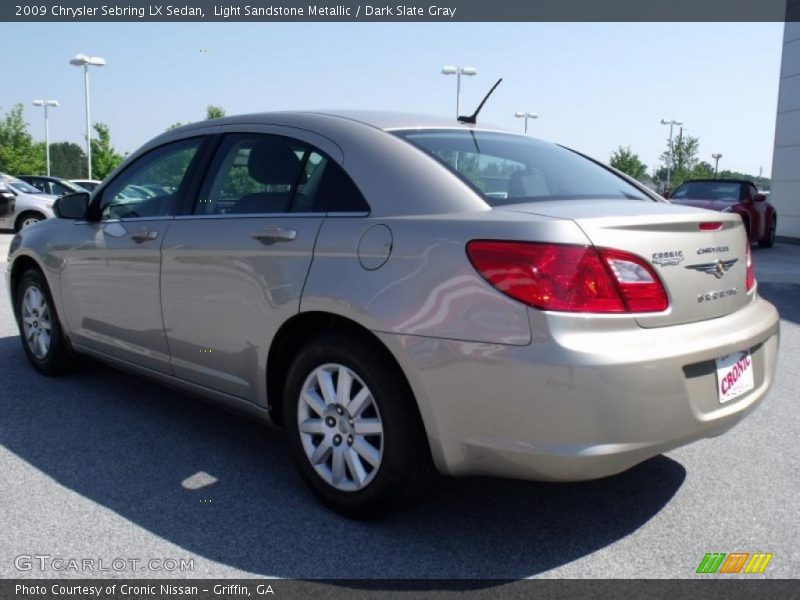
<point x="268" y="174"/>
<point x="252" y="174"/>
<point x="336" y="191"/>
<point x="508" y="169"/>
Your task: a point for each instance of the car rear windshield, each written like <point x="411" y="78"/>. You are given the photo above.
<point x="509" y="169"/>
<point x="708" y="190"/>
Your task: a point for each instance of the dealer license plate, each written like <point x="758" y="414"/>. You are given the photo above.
<point x="734" y="375"/>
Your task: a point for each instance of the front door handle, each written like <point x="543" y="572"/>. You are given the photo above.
<point x="144" y="235"/>
<point x="273" y="234"/>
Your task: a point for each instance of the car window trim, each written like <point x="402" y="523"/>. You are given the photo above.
<point x="209" y="151"/>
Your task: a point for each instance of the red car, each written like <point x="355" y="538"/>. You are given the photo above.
<point x="732" y="195"/>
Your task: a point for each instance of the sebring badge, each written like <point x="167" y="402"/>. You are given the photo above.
<point x="717" y="269"/>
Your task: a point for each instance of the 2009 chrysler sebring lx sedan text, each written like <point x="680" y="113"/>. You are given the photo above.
<point x="401" y="293"/>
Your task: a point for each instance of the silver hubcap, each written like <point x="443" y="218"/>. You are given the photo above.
<point x="340" y="427"/>
<point x="36" y="321"/>
<point x="29" y="221"/>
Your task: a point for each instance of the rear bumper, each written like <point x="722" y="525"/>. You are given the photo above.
<point x="589" y="397"/>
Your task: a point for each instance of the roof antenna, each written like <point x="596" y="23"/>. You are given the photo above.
<point x="473" y="118"/>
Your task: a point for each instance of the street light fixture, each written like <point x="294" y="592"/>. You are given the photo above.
<point x="46" y="104"/>
<point x="716" y="158"/>
<point x="671" y="123"/>
<point x="81" y="60"/>
<point x="526" y="116"/>
<point x="458" y="72"/>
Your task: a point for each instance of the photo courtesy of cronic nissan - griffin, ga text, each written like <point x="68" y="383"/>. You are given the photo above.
<point x="405" y="294"/>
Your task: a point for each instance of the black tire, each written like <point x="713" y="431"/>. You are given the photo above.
<point x="25" y="216"/>
<point x="769" y="240"/>
<point x="405" y="466"/>
<point x="59" y="357"/>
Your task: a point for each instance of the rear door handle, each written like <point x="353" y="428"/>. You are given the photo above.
<point x="273" y="234"/>
<point x="144" y="235"/>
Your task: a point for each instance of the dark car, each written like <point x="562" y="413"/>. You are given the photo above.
<point x="732" y="195"/>
<point x="55" y="186"/>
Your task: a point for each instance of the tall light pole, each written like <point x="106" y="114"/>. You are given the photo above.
<point x="526" y="116"/>
<point x="81" y="60"/>
<point x="716" y="158"/>
<point x="46" y="104"/>
<point x="671" y="123"/>
<point x="458" y="72"/>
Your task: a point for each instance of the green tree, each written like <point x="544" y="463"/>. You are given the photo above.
<point x="175" y="125"/>
<point x="683" y="159"/>
<point x="702" y="170"/>
<point x="19" y="154"/>
<point x="214" y="112"/>
<point x="104" y="158"/>
<point x="627" y="161"/>
<point x="67" y="160"/>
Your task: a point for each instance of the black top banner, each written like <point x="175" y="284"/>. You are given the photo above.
<point x="402" y="11"/>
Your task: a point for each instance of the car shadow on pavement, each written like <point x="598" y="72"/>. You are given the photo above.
<point x="130" y="445"/>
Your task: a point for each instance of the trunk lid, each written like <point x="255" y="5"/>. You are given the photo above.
<point x="703" y="272"/>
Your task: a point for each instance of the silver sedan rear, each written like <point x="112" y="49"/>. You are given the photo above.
<point x="404" y="293"/>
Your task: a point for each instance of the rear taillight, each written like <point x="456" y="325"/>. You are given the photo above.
<point x="569" y="278"/>
<point x="750" y="273"/>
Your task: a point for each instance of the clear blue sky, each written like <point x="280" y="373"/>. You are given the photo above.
<point x="595" y="85"/>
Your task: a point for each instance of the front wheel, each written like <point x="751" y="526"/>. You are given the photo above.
<point x="354" y="431"/>
<point x="42" y="337"/>
<point x="769" y="239"/>
<point x="27" y="219"/>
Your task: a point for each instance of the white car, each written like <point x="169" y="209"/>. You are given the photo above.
<point x="30" y="205"/>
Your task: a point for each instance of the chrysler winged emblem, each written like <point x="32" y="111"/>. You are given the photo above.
<point x="717" y="268"/>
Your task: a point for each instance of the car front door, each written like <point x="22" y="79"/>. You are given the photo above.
<point x="234" y="266"/>
<point x="110" y="276"/>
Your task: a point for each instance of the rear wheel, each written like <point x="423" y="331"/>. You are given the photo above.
<point x="353" y="426"/>
<point x="42" y="337"/>
<point x="769" y="238"/>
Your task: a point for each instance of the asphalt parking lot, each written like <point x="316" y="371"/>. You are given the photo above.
<point x="95" y="465"/>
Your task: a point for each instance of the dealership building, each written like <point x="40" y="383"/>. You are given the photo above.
<point x="785" y="193"/>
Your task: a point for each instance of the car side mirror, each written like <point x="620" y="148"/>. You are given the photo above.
<point x="72" y="206"/>
<point x="760" y="198"/>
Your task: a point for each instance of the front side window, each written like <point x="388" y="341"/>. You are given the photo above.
<point x="508" y="169"/>
<point x="149" y="186"/>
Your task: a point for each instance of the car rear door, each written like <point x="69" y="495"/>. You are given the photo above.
<point x="235" y="264"/>
<point x="111" y="267"/>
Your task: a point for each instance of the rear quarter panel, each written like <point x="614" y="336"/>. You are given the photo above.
<point x="427" y="287"/>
